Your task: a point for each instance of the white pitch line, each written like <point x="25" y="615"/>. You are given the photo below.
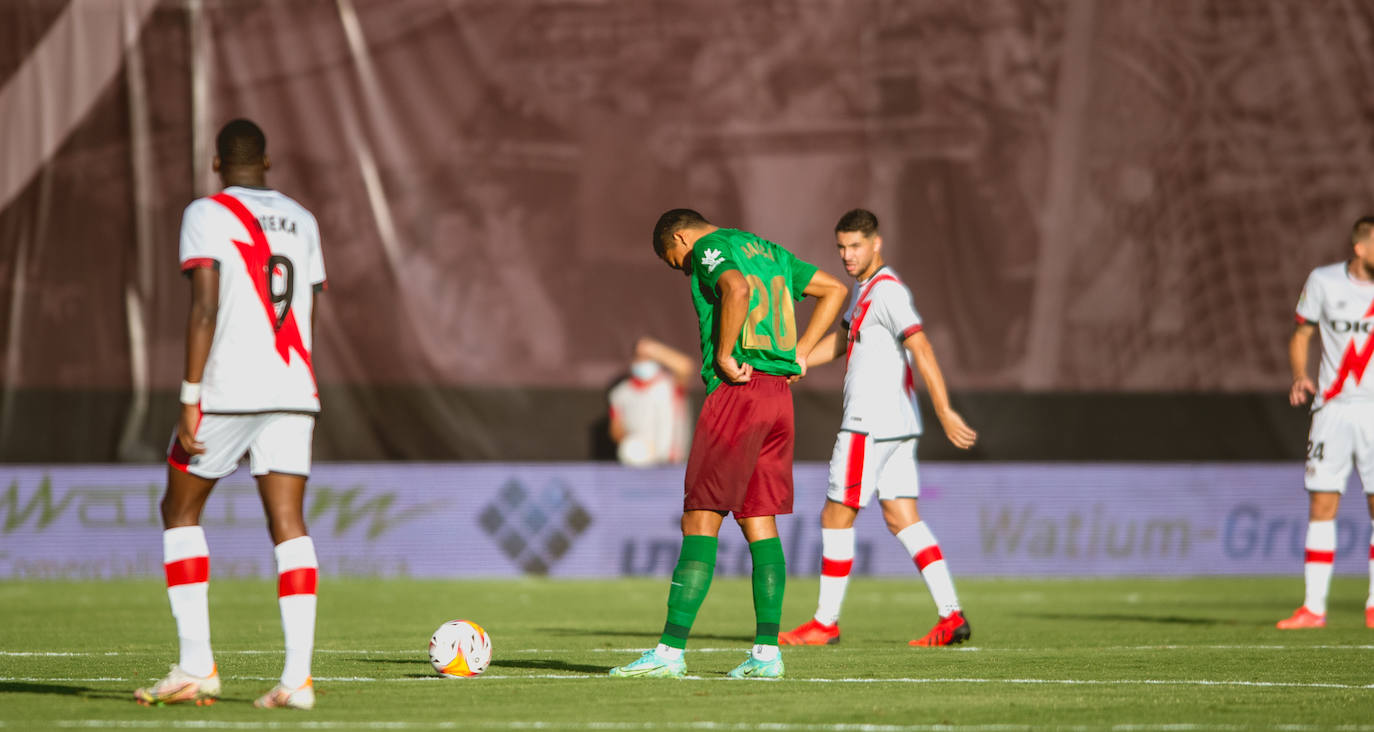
<point x="359" y="651"/>
<point x="218" y="652"/>
<point x="900" y="680"/>
<point x="56" y="653"/>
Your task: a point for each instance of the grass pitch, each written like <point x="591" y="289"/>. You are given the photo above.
<point x="1196" y="654"/>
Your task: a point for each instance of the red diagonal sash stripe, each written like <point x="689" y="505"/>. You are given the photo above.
<point x="836" y="567"/>
<point x="928" y="556"/>
<point x="860" y="310"/>
<point x="1353" y="362"/>
<point x="187" y="571"/>
<point x="255" y="256"/>
<point x="1319" y="557"/>
<point x="297" y="582"/>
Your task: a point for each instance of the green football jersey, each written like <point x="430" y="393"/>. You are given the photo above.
<point x="776" y="278"/>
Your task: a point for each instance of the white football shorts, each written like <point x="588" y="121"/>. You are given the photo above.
<point x="861" y="466"/>
<point x="276" y="442"/>
<point x="1341" y="433"/>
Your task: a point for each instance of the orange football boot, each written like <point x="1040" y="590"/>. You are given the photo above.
<point x="811" y="633"/>
<point x="1302" y="618"/>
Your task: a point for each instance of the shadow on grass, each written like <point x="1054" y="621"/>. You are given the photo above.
<point x="31" y="687"/>
<point x="552" y="664"/>
<point x="543" y="664"/>
<point x="648" y="635"/>
<point x="1135" y="618"/>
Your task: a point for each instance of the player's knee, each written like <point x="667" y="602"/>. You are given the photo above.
<point x="1324" y="505"/>
<point x="899" y="518"/>
<point x="286" y="527"/>
<point x="179" y="510"/>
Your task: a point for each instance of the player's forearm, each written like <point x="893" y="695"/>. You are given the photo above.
<point x="924" y="357"/>
<point x="200" y="322"/>
<point x="1297" y="351"/>
<point x="734" y="304"/>
<point x="828" y="305"/>
<point x="828" y="349"/>
<point x="679" y="363"/>
<point x="200" y="334"/>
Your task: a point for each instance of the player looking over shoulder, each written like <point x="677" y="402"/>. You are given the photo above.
<point x="740" y="462"/>
<point x="254" y="260"/>
<point x="1338" y="302"/>
<point x="875" y="451"/>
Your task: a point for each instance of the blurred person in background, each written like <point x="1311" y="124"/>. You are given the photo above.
<point x="649" y="420"/>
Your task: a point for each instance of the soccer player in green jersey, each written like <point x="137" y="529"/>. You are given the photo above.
<point x="743" y="287"/>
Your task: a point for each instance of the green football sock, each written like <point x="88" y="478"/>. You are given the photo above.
<point x="691" y="581"/>
<point x="770" y="579"/>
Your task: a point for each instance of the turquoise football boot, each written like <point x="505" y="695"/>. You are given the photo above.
<point x="752" y="668"/>
<point x="653" y="666"/>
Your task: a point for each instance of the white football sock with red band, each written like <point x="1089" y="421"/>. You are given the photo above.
<point x="925" y="552"/>
<point x="186" y="558"/>
<point x="297" y="574"/>
<point x="1316" y="568"/>
<point x="837" y="561"/>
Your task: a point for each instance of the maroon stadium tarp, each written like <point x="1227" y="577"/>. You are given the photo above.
<point x="1116" y="196"/>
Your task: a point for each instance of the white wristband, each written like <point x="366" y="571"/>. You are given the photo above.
<point x="190" y="393"/>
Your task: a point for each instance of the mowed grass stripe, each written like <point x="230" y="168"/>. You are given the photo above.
<point x="1117" y="654"/>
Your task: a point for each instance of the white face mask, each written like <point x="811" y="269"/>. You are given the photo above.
<point x="644" y="369"/>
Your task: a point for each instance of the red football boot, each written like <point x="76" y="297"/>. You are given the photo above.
<point x="811" y="633"/>
<point x="951" y="629"/>
<point x="1302" y="618"/>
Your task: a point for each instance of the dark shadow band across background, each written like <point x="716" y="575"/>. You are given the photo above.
<point x="523" y="424"/>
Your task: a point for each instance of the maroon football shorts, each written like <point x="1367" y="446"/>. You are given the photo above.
<point x="741" y="459"/>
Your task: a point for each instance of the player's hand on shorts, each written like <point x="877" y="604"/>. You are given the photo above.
<point x="801" y="361"/>
<point x="186" y="429"/>
<point x="734" y="371"/>
<point x="957" y="430"/>
<point x="1301" y="390"/>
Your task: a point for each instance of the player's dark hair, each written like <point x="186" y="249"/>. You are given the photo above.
<point x="1363" y="227"/>
<point x="673" y="221"/>
<point x="860" y="220"/>
<point x="241" y="142"/>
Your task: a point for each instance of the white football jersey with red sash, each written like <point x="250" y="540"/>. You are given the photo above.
<point x="879" y="389"/>
<point x="1342" y="308"/>
<point x="266" y="248"/>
